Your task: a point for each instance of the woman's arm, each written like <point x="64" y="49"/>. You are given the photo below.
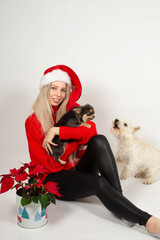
<point x="37" y="153"/>
<point x="49" y="137"/>
<point x="81" y="134"/>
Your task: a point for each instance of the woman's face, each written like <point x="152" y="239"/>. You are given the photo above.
<point x="57" y="92"/>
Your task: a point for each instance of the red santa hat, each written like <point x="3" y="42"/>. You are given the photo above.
<point x="67" y="75"/>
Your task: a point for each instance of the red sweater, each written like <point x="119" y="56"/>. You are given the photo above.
<point x="39" y="155"/>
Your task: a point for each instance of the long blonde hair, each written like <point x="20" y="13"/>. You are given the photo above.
<point x="43" y="109"/>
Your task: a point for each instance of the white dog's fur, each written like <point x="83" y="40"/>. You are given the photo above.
<point x="141" y="158"/>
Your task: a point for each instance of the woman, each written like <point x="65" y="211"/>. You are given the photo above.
<point x="60" y="88"/>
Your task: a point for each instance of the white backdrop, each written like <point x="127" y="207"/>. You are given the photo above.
<point x="113" y="46"/>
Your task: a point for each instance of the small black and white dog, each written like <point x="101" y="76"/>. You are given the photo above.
<point x="76" y="117"/>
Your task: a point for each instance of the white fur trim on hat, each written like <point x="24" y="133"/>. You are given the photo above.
<point x="55" y="75"/>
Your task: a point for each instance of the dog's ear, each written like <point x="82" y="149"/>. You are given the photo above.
<point x="77" y="110"/>
<point x="135" y="129"/>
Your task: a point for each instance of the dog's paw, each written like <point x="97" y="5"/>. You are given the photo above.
<point x="88" y="125"/>
<point x="123" y="176"/>
<point x="61" y="161"/>
<point x="85" y="125"/>
<point x="139" y="175"/>
<point x="148" y="181"/>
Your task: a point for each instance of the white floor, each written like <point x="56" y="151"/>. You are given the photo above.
<point x="85" y="219"/>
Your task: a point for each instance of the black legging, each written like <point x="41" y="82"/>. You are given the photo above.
<point x="83" y="181"/>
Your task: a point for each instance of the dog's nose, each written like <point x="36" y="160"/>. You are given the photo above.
<point x="116" y="120"/>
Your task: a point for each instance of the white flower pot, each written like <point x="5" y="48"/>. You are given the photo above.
<point x="30" y="216"/>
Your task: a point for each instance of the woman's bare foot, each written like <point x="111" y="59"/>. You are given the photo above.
<point x="153" y="225"/>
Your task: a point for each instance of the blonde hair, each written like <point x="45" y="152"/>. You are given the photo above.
<point x="43" y="109"/>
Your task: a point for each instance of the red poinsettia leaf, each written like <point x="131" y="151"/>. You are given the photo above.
<point x="38" y="181"/>
<point x="31" y="171"/>
<point x="39" y="185"/>
<point x="4" y="177"/>
<point x="31" y="164"/>
<point x="17" y="186"/>
<point x="52" y="187"/>
<point x="7" y="184"/>
<point x="36" y="169"/>
<point x="21" y="177"/>
<point x="26" y="165"/>
<point x="27" y="187"/>
<point x="13" y="171"/>
<point x="22" y="169"/>
<point x="40" y="176"/>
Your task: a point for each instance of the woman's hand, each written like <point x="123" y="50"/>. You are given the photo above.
<point x="49" y="137"/>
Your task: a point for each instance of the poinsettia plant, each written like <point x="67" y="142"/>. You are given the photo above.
<point x="29" y="181"/>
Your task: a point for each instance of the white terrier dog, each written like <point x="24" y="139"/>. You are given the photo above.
<point x="141" y="158"/>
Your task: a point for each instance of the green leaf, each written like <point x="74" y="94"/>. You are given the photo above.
<point x="44" y="200"/>
<point x="35" y="199"/>
<point x="25" y="201"/>
<point x="32" y="180"/>
<point x="52" y="197"/>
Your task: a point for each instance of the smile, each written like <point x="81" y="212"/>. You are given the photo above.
<point x="56" y="100"/>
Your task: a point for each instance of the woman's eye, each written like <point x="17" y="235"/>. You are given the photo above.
<point x="125" y="124"/>
<point x="53" y="88"/>
<point x="63" y="90"/>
